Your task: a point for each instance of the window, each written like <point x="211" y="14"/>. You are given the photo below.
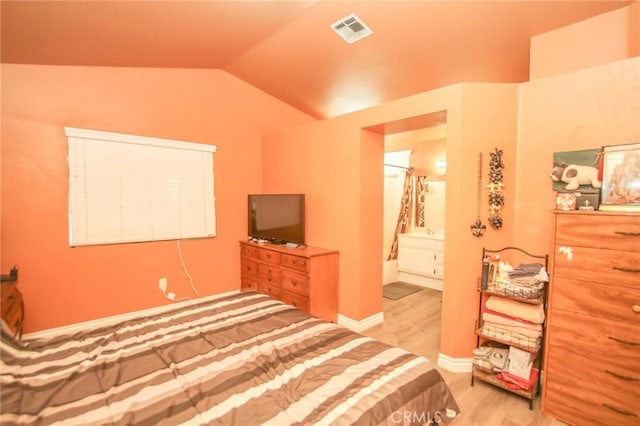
<point x="125" y="188"/>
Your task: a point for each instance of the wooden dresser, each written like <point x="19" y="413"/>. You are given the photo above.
<point x="592" y="367"/>
<point x="306" y="278"/>
<point x="12" y="307"/>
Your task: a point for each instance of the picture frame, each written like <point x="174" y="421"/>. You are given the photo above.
<point x="620" y="189"/>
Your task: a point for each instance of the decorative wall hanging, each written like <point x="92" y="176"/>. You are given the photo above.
<point x="495" y="186"/>
<point x="477" y="229"/>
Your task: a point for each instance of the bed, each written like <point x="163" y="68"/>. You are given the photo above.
<point x="243" y="359"/>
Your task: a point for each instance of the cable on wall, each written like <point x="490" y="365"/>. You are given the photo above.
<point x="186" y="271"/>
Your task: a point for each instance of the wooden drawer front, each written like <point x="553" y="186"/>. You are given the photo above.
<point x="268" y="272"/>
<point x="295" y="300"/>
<point x="603" y="343"/>
<point x="249" y="284"/>
<point x="596" y="265"/>
<point x="249" y="251"/>
<point x="581" y="401"/>
<point x="270" y="256"/>
<point x="270" y="290"/>
<point x="296" y="283"/>
<point x="600" y="300"/>
<point x="249" y="267"/>
<point x="601" y="231"/>
<point x="295" y="262"/>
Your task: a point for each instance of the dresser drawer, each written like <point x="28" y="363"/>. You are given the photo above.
<point x="598" y="265"/>
<point x="249" y="267"/>
<point x="270" y="256"/>
<point x="620" y="232"/>
<point x="249" y="251"/>
<point x="295" y="300"/>
<point x="591" y="379"/>
<point x="249" y="284"/>
<point x="296" y="283"/>
<point x="577" y="401"/>
<point x="601" y="342"/>
<point x="268" y="272"/>
<point x="600" y="300"/>
<point x="295" y="262"/>
<point x="270" y="290"/>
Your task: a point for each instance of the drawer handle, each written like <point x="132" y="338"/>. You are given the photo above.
<point x="294" y="283"/>
<point x="615" y="339"/>
<point x="619" y="411"/>
<point x="268" y="256"/>
<point x="634" y="271"/>
<point x="628" y="234"/>
<point x="618" y="376"/>
<point x="636" y="309"/>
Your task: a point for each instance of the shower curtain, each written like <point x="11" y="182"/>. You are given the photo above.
<point x="405" y="213"/>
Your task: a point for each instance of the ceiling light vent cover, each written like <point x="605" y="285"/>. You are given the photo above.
<point x="351" y="28"/>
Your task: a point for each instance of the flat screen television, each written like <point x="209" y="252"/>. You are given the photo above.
<point x="277" y="218"/>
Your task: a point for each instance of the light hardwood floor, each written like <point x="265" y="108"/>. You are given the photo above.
<point x="413" y="323"/>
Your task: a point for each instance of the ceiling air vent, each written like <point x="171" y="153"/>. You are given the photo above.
<point x="351" y="28"/>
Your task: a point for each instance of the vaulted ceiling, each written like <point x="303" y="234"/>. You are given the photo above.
<point x="288" y="49"/>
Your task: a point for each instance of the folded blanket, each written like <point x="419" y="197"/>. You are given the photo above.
<point x="508" y="336"/>
<point x="524" y="311"/>
<point x="515" y="382"/>
<point x="509" y="317"/>
<point x="513" y="325"/>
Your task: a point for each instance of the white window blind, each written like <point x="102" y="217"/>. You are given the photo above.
<point x="126" y="188"/>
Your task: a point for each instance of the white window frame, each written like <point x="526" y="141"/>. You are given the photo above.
<point x="128" y="188"/>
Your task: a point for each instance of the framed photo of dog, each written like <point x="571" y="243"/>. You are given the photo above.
<point x="620" y="190"/>
<point x="576" y="179"/>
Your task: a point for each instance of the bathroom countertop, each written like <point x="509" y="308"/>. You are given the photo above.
<point x="431" y="235"/>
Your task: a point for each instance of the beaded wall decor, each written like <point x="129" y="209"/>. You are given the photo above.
<point x="495" y="186"/>
<point x="477" y="229"/>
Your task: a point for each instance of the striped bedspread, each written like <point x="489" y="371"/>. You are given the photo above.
<point x="243" y="359"/>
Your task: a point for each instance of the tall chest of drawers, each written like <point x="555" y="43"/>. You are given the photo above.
<point x="592" y="359"/>
<point x="306" y="277"/>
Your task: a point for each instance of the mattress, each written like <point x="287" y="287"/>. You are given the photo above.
<point x="243" y="359"/>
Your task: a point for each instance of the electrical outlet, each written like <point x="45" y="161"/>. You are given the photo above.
<point x="171" y="296"/>
<point x="162" y="284"/>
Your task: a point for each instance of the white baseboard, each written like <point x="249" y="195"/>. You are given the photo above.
<point x="73" y="328"/>
<point x="363" y="324"/>
<point x="421" y="280"/>
<point x="455" y="365"/>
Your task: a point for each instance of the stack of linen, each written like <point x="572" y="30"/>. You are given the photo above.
<point x="527" y="281"/>
<point x="491" y="359"/>
<point x="513" y="322"/>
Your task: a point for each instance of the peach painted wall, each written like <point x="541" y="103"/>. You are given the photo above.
<point x="339" y="166"/>
<point x="572" y="111"/>
<point x="594" y="100"/>
<point x="63" y="285"/>
<point x="606" y="38"/>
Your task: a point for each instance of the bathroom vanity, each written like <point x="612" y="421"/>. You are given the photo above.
<point x="421" y="258"/>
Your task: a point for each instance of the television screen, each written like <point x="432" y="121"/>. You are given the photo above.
<point x="278" y="218"/>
